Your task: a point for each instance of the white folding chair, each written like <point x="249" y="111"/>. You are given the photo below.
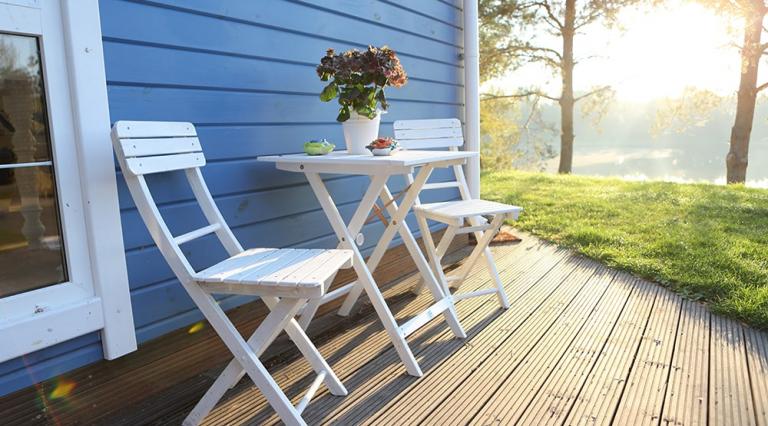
<point x="285" y="279"/>
<point x="463" y="216"/>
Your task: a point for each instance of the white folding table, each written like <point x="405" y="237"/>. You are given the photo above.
<point x="379" y="169"/>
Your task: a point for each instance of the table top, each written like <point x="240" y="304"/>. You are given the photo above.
<point x="341" y="162"/>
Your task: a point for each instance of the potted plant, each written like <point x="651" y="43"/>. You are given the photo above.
<point x="358" y="80"/>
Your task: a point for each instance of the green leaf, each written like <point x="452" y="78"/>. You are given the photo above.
<point x="343" y="114"/>
<point x="329" y="92"/>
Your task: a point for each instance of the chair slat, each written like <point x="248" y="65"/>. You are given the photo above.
<point x="159" y="146"/>
<point x="440" y="185"/>
<point x="448" y="132"/>
<point x="153" y="129"/>
<point x="164" y="163"/>
<point x="429" y="143"/>
<point x="427" y="124"/>
<point x="197" y="233"/>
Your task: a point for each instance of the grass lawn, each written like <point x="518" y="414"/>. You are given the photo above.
<point x="703" y="241"/>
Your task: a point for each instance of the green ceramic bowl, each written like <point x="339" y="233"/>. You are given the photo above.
<point x="320" y="147"/>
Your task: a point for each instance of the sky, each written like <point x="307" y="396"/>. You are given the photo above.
<point x="656" y="54"/>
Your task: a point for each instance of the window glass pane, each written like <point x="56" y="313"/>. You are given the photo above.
<point x="31" y="249"/>
<point x="22" y="102"/>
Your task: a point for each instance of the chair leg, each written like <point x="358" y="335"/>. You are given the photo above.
<point x="246" y="357"/>
<point x="280" y="318"/>
<point x="500" y="293"/>
<point x="310" y="309"/>
<point x="482" y="249"/>
<point x="308" y="350"/>
<point x="441" y="291"/>
<point x="442" y="248"/>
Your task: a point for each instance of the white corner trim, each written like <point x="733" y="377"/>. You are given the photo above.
<point x="472" y="94"/>
<point x="87" y="78"/>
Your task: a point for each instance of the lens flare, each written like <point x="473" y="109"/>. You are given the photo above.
<point x="196" y="327"/>
<point x="63" y="389"/>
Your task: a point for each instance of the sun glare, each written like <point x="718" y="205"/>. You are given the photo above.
<point x="657" y="53"/>
<point x="661" y="52"/>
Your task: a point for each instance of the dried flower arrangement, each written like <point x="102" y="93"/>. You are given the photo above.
<point x="358" y="79"/>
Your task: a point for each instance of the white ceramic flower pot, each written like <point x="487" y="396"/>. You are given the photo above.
<point x="359" y="131"/>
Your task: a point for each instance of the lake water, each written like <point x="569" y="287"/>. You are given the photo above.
<point x="624" y="148"/>
<point x="675" y="164"/>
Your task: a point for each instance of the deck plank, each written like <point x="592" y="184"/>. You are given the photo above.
<point x="476" y="315"/>
<point x="509" y="401"/>
<point x="686" y="399"/>
<point x="553" y="401"/>
<point x="757" y="353"/>
<point x="601" y="394"/>
<point x="474" y="374"/>
<point x="730" y="396"/>
<point x="647" y="384"/>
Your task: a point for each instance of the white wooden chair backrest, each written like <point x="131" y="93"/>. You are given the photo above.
<point x="427" y="134"/>
<point x="442" y="133"/>
<point x="149" y="147"/>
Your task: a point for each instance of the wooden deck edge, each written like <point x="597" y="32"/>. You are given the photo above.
<point x="104" y="388"/>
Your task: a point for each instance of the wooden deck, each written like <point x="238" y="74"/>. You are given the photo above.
<point x="581" y="344"/>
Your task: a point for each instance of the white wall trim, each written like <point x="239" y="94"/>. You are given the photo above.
<point x="53" y="326"/>
<point x="472" y="93"/>
<point x="90" y="109"/>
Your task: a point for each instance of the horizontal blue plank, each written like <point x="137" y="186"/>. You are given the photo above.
<point x="443" y="12"/>
<point x="140" y="21"/>
<point x="220" y="107"/>
<point x="361" y="21"/>
<point x="251" y="207"/>
<point x="23" y="363"/>
<point x="390" y="16"/>
<point x="184" y="319"/>
<point x="165" y="67"/>
<point x="50" y="367"/>
<point x="243" y="209"/>
<point x="232" y="177"/>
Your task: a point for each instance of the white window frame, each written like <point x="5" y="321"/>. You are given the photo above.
<point x="96" y="296"/>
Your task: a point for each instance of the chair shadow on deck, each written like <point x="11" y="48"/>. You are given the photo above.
<point x="383" y="358"/>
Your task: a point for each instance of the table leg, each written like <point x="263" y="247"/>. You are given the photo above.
<point x="386" y="237"/>
<point x="397" y="225"/>
<point x="435" y="283"/>
<point x="364" y="274"/>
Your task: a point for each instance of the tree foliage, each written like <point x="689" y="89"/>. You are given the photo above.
<point x="514" y="135"/>
<point x="515" y="33"/>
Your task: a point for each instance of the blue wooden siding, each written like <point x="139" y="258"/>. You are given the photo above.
<point x="243" y="72"/>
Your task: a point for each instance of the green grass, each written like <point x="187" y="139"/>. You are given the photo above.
<point x="706" y="242"/>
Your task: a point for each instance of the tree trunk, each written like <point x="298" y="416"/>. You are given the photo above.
<point x="566" y="97"/>
<point x="736" y="160"/>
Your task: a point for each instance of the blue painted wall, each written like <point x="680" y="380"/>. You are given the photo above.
<point x="243" y="72"/>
